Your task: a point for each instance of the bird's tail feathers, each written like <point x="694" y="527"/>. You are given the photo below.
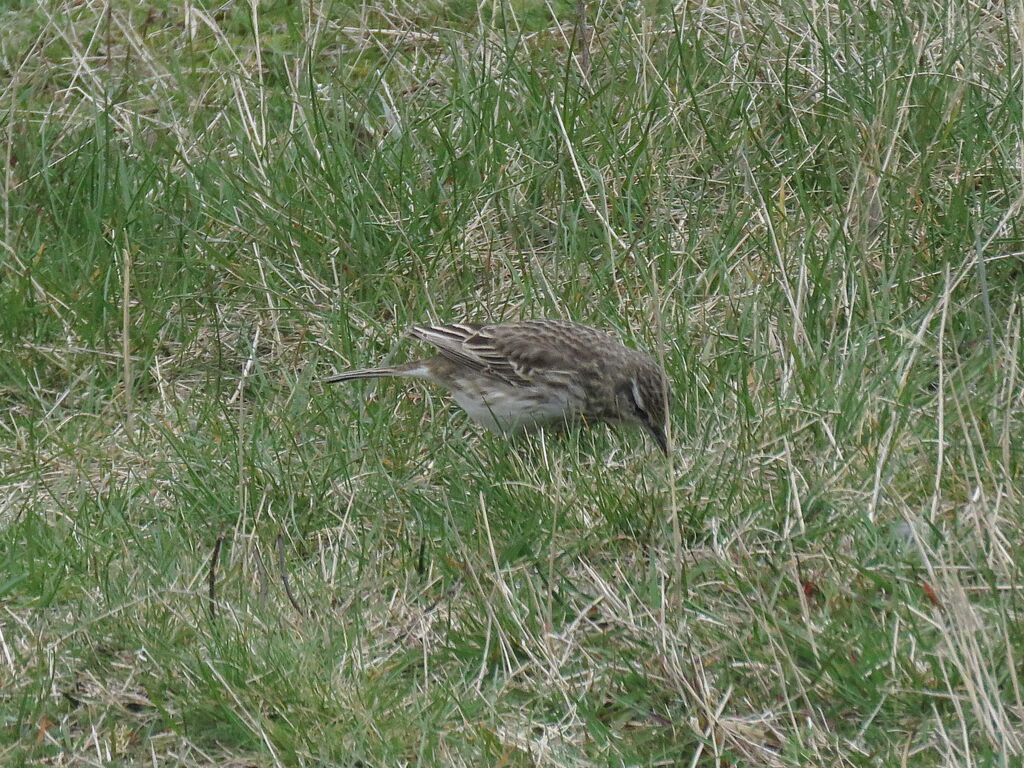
<point x="413" y="370"/>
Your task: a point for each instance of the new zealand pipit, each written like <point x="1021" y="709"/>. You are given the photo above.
<point x="513" y="376"/>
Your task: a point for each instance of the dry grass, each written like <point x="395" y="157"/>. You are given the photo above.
<point x="811" y="211"/>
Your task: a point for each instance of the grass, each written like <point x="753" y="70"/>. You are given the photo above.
<point x="811" y="211"/>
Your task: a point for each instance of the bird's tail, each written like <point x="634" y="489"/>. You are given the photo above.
<point x="409" y="370"/>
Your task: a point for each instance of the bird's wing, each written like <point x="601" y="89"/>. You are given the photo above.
<point x="470" y="345"/>
<point x="451" y="341"/>
<point x="497" y="350"/>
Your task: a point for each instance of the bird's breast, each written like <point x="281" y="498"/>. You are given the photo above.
<point x="504" y="408"/>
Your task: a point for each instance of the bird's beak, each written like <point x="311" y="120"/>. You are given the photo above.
<point x="659" y="436"/>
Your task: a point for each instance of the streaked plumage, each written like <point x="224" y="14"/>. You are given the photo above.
<point x="518" y="375"/>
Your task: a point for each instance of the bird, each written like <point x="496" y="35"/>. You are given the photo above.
<point x="520" y="375"/>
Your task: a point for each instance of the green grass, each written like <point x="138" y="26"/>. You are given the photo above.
<point x="812" y="211"/>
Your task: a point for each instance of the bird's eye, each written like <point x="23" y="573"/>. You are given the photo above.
<point x="638" y="401"/>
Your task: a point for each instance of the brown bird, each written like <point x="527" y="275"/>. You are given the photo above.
<point x="519" y="375"/>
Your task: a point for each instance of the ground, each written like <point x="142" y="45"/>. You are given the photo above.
<point x="810" y="212"/>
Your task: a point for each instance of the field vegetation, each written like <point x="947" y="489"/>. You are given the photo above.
<point x="810" y="210"/>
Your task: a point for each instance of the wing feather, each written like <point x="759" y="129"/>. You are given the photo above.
<point x="450" y="341"/>
<point x="483" y="348"/>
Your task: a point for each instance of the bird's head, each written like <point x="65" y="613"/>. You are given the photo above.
<point x="642" y="396"/>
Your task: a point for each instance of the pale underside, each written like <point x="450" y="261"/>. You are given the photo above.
<point x="505" y="407"/>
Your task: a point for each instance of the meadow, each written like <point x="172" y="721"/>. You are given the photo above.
<point x="808" y="210"/>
